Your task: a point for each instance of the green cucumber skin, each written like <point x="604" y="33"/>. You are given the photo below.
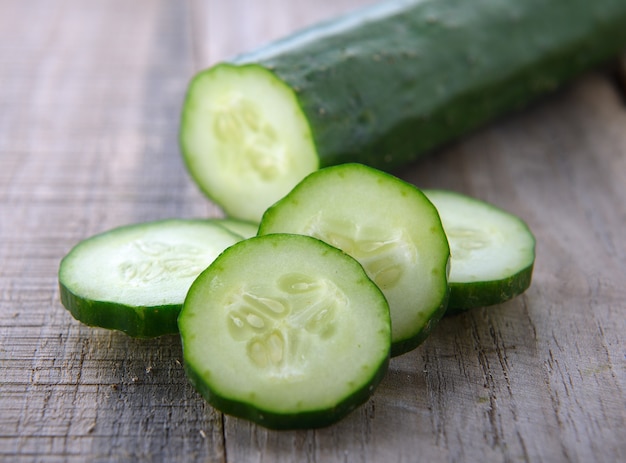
<point x="466" y="296"/>
<point x="389" y="83"/>
<point x="278" y="421"/>
<point x="406" y="345"/>
<point x="137" y="322"/>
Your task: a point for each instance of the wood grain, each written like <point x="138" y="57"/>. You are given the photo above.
<point x="90" y="95"/>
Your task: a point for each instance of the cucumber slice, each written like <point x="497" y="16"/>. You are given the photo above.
<point x="389" y="226"/>
<point x="493" y="251"/>
<point x="134" y="278"/>
<point x="285" y="331"/>
<point x="243" y="228"/>
<point x="244" y="138"/>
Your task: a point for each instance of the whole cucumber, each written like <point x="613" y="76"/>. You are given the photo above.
<point x="381" y="86"/>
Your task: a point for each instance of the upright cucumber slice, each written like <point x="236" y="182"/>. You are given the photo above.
<point x="286" y="331"/>
<point x="244" y="139"/>
<point x="389" y="226"/>
<point x="134" y="278"/>
<point x="493" y="251"/>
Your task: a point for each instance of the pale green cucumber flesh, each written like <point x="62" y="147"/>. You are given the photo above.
<point x="244" y="138"/>
<point x="389" y="226"/>
<point x="285" y="331"/>
<point x="243" y="228"/>
<point x="134" y="278"/>
<point x="493" y="251"/>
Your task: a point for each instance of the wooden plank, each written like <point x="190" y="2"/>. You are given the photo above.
<point x="561" y="166"/>
<point x="238" y="26"/>
<point x="91" y="93"/>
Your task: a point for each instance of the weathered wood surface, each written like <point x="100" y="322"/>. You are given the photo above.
<point x="89" y="100"/>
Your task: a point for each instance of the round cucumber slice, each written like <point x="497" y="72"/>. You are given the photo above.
<point x="134" y="278"/>
<point x="386" y="224"/>
<point x="493" y="251"/>
<point x="244" y="138"/>
<point x="285" y="331"/>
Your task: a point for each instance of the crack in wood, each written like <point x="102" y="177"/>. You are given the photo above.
<point x="620" y="76"/>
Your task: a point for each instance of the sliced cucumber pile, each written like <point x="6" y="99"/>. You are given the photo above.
<point x="134" y="278"/>
<point x="286" y="331"/>
<point x="294" y="327"/>
<point x="389" y="226"/>
<point x="493" y="251"/>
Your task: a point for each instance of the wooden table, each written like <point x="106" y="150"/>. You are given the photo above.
<point x="90" y="94"/>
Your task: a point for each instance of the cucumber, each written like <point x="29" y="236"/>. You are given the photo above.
<point x="243" y="228"/>
<point x="285" y="331"/>
<point x="134" y="278"/>
<point x="253" y="158"/>
<point x="493" y="251"/>
<point x="381" y="86"/>
<point x="389" y="226"/>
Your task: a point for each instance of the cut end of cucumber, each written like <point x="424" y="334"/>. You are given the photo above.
<point x="244" y="138"/>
